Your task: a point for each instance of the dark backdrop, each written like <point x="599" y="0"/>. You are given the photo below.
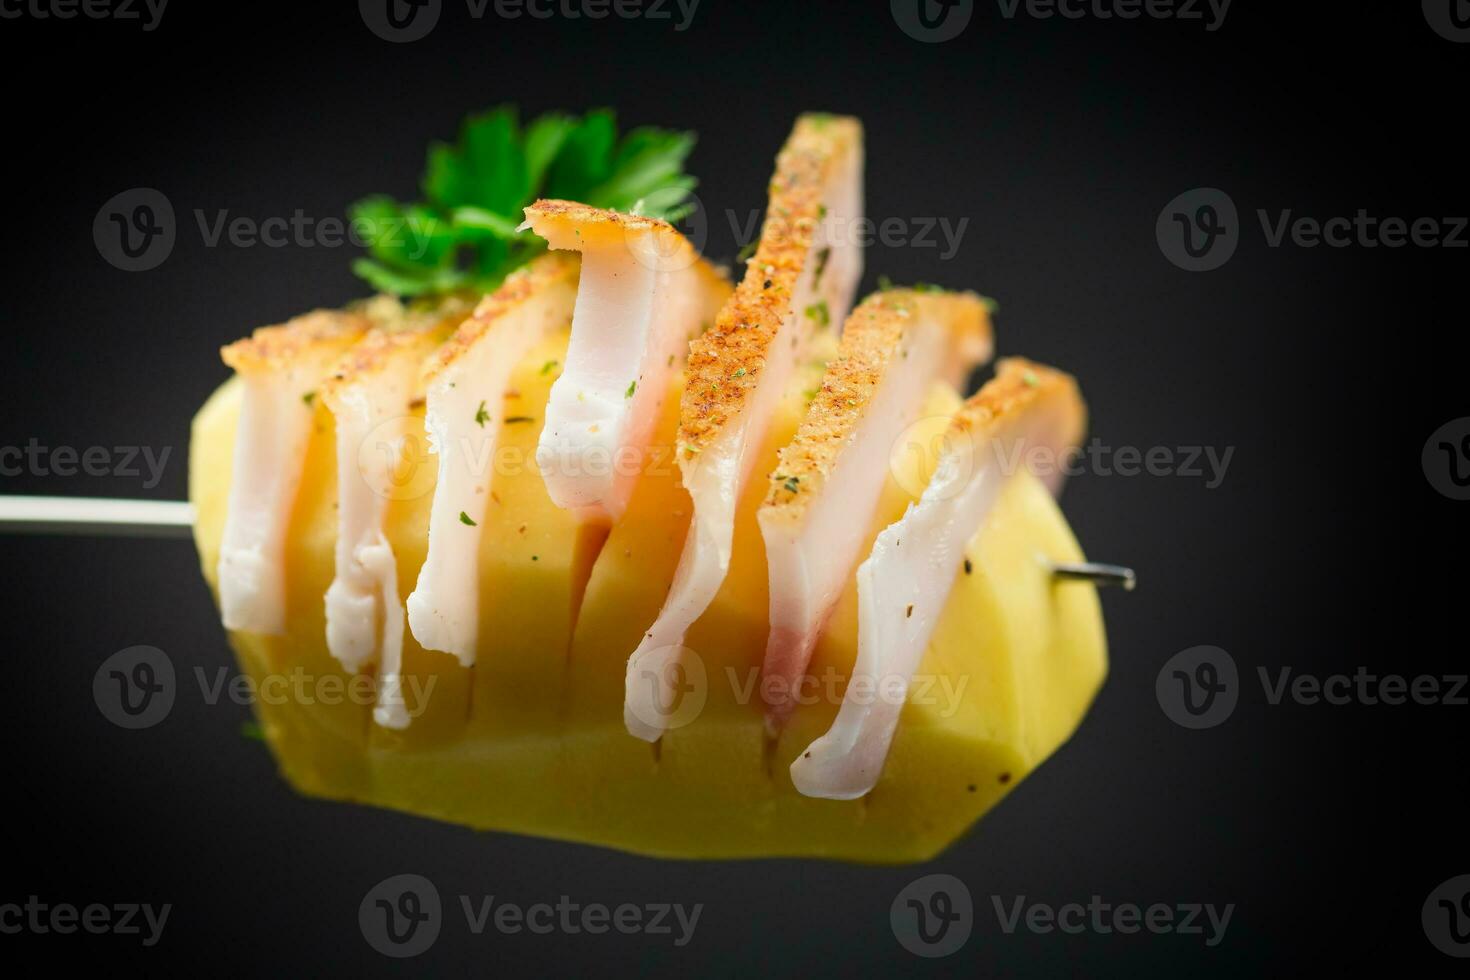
<point x="1325" y="548"/>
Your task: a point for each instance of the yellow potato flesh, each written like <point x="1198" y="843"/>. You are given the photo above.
<point x="531" y="739"/>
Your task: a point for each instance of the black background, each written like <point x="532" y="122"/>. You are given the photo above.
<point x="1324" y="548"/>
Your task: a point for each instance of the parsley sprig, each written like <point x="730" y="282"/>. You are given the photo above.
<point x="462" y="235"/>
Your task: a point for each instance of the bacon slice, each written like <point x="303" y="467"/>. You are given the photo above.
<point x="370" y="394"/>
<point x="467" y="382"/>
<point x="280" y="368"/>
<point x="801" y="279"/>
<point x="1028" y="414"/>
<point x="644" y="292"/>
<point x="826" y="486"/>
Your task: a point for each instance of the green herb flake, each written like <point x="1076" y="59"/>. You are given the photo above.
<point x="549" y="366"/>
<point x="308" y="399"/>
<point x="632" y="387"/>
<point x="819" y="312"/>
<point x="481" y="416"/>
<point x="1030" y="380"/>
<point x="465" y="520"/>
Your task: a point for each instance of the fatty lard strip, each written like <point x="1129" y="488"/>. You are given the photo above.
<point x="825" y="488"/>
<point x="800" y="281"/>
<point x="644" y="292"/>
<point x="280" y="368"/>
<point x="467" y="382"/>
<point x="1026" y="414"/>
<point x="370" y="395"/>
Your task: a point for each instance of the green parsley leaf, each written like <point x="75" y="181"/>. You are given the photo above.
<point x="463" y="235"/>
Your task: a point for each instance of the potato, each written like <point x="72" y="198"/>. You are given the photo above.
<point x="531" y="739"/>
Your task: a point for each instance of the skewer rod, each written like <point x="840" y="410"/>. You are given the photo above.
<point x="1096" y="573"/>
<point x="175" y="519"/>
<point x="96" y="516"/>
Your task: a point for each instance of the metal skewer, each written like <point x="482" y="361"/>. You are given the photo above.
<point x="175" y="519"/>
<point x="1096" y="573"/>
<point x="97" y="516"/>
